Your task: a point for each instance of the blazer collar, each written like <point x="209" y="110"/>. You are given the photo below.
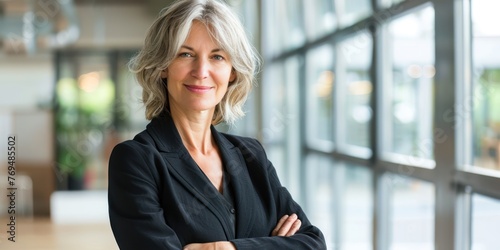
<point x="164" y="133"/>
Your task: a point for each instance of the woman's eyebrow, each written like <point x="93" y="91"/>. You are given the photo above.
<point x="190" y="48"/>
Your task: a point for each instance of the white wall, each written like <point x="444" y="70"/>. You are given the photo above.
<point x="26" y="81"/>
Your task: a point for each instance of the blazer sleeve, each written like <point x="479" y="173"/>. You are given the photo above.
<point x="135" y="213"/>
<point x="308" y="236"/>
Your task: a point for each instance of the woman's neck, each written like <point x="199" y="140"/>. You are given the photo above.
<point x="194" y="129"/>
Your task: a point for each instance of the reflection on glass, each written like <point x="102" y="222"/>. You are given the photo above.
<point x="408" y="89"/>
<point x="411" y="213"/>
<point x="320" y="83"/>
<point x="355" y="89"/>
<point x="339" y="202"/>
<point x="485" y="221"/>
<point x="320" y="17"/>
<point x="286" y="27"/>
<point x="351" y="11"/>
<point x="486" y="84"/>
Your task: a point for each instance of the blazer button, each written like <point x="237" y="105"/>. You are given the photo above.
<point x="233" y="210"/>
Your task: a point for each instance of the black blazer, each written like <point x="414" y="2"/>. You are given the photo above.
<point x="160" y="199"/>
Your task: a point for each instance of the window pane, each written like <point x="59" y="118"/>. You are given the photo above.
<point x="247" y="125"/>
<point x="352" y="11"/>
<point x="274" y="111"/>
<point x="354" y="91"/>
<point x="339" y="202"/>
<point x="320" y="17"/>
<point x="321" y="198"/>
<point x="276" y="155"/>
<point x="485" y="221"/>
<point x="486" y="84"/>
<point x="411" y="213"/>
<point x="281" y="120"/>
<point x="320" y="81"/>
<point x="408" y="102"/>
<point x="356" y="207"/>
<point x="286" y="29"/>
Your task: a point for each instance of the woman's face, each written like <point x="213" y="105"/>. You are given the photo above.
<point x="198" y="77"/>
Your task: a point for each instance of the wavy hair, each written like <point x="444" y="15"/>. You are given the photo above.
<point x="164" y="39"/>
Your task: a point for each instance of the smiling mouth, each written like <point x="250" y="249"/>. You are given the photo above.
<point x="198" y="89"/>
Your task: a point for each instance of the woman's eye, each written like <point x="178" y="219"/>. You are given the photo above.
<point x="218" y="57"/>
<point x="185" y="54"/>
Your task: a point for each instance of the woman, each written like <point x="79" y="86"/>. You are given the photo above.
<point x="181" y="184"/>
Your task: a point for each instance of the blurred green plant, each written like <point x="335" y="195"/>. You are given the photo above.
<point x="84" y="110"/>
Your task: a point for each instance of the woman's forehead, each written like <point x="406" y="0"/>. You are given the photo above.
<point x="199" y="29"/>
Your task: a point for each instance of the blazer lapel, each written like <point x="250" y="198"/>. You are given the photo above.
<point x="193" y="180"/>
<point x="239" y="180"/>
<point x="185" y="170"/>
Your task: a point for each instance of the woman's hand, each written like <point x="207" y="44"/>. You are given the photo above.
<point x="219" y="245"/>
<point x="287" y="226"/>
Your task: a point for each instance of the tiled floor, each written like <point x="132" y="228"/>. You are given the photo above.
<point x="43" y="234"/>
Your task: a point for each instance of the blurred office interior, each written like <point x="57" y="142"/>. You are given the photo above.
<point x="382" y="117"/>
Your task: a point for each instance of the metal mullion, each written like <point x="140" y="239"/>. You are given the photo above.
<point x="463" y="205"/>
<point x="444" y="149"/>
<point x="424" y="174"/>
<point x="485" y="184"/>
<point x="352" y="159"/>
<point x="339" y="157"/>
<point x="463" y="218"/>
<point x="380" y="197"/>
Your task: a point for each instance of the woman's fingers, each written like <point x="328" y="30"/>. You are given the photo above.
<point x="219" y="245"/>
<point x="280" y="223"/>
<point x="295" y="227"/>
<point x="287" y="226"/>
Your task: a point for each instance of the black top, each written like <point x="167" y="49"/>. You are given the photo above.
<point x="160" y="199"/>
<point x="227" y="196"/>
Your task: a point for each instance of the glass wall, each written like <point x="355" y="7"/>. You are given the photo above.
<point x="354" y="92"/>
<point x="340" y="201"/>
<point x="485" y="218"/>
<point x="411" y="216"/>
<point x="382" y="116"/>
<point x="320" y="81"/>
<point x="408" y="86"/>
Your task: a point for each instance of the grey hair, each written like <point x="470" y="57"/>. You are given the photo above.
<point x="164" y="39"/>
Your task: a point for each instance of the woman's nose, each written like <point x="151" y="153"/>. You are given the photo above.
<point x="200" y="68"/>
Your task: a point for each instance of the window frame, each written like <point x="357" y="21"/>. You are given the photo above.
<point x="453" y="184"/>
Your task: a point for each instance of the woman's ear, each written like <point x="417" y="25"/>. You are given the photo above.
<point x="164" y="73"/>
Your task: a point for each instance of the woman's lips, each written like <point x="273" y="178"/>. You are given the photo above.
<point x="198" y="89"/>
